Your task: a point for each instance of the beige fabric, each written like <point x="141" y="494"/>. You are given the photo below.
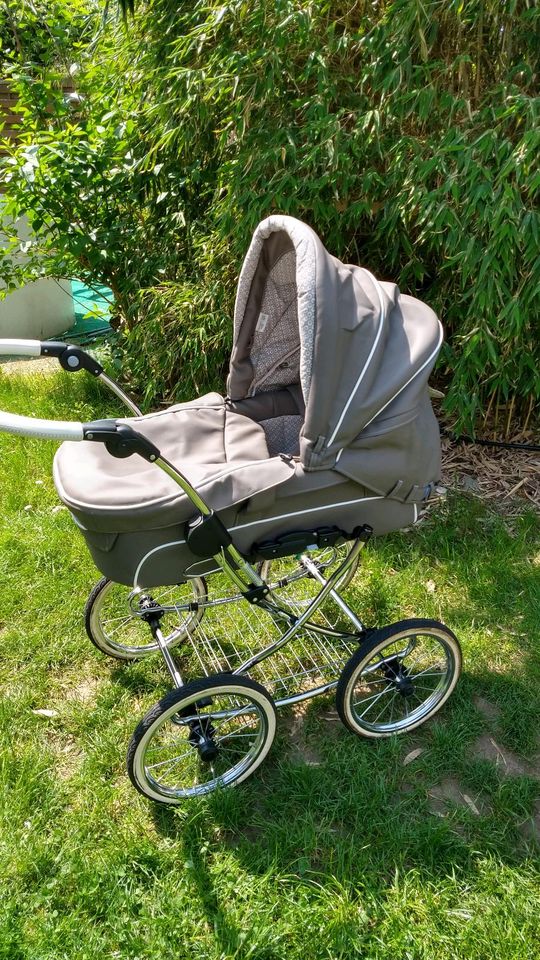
<point x="366" y="352"/>
<point x="223" y="455"/>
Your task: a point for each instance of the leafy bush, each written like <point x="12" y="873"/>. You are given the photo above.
<point x="406" y="133"/>
<point x="170" y="349"/>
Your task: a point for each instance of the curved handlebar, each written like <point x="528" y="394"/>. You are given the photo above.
<point x="20" y="348"/>
<point x="119" y="437"/>
<point x="44" y="429"/>
<point x="72" y="359"/>
<point x="30" y="426"/>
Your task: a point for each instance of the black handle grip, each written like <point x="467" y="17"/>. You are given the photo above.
<point x="120" y="439"/>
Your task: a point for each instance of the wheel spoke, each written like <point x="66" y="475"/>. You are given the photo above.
<point x="385" y="705"/>
<point x="118" y="629"/>
<point x="378" y="697"/>
<point x="245" y="716"/>
<point x="425" y="673"/>
<point x="115" y="619"/>
<point x="227" y="737"/>
<point x="170" y="763"/>
<point x="423" y="660"/>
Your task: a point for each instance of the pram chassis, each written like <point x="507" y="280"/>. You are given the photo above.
<point x="327" y="657"/>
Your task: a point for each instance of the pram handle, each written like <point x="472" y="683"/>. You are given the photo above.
<point x="71" y="358"/>
<point x="120" y="438"/>
<point x="20" y="348"/>
<point x="44" y="429"/>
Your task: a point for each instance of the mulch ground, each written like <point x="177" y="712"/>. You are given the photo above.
<point x="508" y="478"/>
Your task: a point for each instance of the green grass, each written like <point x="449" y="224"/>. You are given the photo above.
<point x="342" y="859"/>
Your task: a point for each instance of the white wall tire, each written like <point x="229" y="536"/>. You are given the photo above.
<point x="165" y="765"/>
<point x="399" y="677"/>
<point x="118" y="631"/>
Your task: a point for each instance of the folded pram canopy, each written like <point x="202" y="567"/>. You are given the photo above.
<point x="327" y="421"/>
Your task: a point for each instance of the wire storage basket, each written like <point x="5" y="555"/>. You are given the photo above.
<point x="232" y="632"/>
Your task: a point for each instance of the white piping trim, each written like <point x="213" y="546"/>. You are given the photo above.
<point x="299" y="513"/>
<point x="415" y="513"/>
<point x="254" y="523"/>
<point x="401" y="389"/>
<point x="162" y="546"/>
<point x="368" y="361"/>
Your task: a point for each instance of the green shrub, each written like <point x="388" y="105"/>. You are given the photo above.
<point x="169" y="351"/>
<point x="406" y="133"/>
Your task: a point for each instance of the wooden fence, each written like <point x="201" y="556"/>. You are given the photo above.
<point x="10" y="118"/>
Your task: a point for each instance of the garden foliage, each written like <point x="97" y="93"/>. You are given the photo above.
<point x="405" y="132"/>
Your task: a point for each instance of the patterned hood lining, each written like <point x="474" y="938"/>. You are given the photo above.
<point x="283" y="338"/>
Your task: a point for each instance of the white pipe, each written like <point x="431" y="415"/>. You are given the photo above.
<point x="44" y="429"/>
<point x="20" y="348"/>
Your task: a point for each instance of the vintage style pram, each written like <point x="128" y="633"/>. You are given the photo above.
<point x="233" y="532"/>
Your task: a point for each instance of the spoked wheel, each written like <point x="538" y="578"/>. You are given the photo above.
<point x="113" y="617"/>
<point x="290" y="579"/>
<point x="210" y="734"/>
<point x="398" y="678"/>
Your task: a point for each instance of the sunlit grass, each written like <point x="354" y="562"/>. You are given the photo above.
<point x="337" y="857"/>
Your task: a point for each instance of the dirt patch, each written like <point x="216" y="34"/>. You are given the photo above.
<point x="449" y="793"/>
<point x="508" y="763"/>
<point x="85" y="691"/>
<point x="331" y="727"/>
<point x="45" y="365"/>
<point x="68" y="756"/>
<point x="488" y="710"/>
<point x="301" y="749"/>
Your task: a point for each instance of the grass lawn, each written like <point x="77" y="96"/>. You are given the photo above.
<point x="335" y="848"/>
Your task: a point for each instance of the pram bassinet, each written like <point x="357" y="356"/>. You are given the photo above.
<point x="327" y="422"/>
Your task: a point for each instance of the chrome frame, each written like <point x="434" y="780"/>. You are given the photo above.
<point x="244" y="576"/>
<point x="320" y="649"/>
<point x="289" y="623"/>
<point x="115" y="388"/>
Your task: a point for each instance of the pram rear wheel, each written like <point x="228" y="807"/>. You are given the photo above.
<point x="292" y="581"/>
<point x="399" y="677"/>
<point x="113" y="617"/>
<point x="210" y="734"/>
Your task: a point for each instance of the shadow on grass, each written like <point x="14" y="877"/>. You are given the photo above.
<point x="353" y="812"/>
<point x="358" y="816"/>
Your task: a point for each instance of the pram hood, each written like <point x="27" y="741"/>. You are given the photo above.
<point x="361" y="351"/>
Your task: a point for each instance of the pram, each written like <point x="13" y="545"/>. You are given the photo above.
<point x="234" y="532"/>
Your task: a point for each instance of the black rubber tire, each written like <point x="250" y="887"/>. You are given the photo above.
<point x="175" y="699"/>
<point x="379" y="639"/>
<point x="129" y="654"/>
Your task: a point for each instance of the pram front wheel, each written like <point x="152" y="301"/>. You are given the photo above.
<point x="400" y="676"/>
<point x="113" y="617"/>
<point x="210" y="734"/>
